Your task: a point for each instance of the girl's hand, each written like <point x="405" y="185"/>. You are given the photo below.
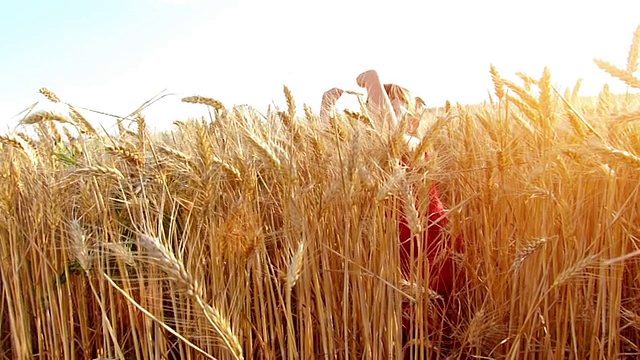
<point x="368" y="78"/>
<point x="332" y="95"/>
<point x="329" y="99"/>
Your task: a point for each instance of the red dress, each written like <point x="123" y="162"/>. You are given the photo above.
<point x="437" y="245"/>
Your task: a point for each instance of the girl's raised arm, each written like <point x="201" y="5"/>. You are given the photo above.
<point x="377" y="97"/>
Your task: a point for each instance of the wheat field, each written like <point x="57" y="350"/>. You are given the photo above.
<point x="243" y="236"/>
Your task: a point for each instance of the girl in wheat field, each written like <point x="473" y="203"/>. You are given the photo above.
<point x="436" y="243"/>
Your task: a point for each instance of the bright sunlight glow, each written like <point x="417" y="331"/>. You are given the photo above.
<point x="112" y="56"/>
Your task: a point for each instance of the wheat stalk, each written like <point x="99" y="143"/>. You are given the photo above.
<point x="524" y="108"/>
<point x="163" y="257"/>
<point x="151" y="316"/>
<point x="73" y="141"/>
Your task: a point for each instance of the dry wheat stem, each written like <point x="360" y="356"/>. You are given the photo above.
<point x="155" y="319"/>
<point x="622" y="258"/>
<point x="162" y="256"/>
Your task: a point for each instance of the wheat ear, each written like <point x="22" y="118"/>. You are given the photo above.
<point x="632" y="59"/>
<point x="622" y="75"/>
<point x="217" y="105"/>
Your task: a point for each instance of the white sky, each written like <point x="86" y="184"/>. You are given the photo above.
<point x="248" y="49"/>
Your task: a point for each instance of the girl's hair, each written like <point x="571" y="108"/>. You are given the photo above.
<point x="405" y="104"/>
<point x="400" y="94"/>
